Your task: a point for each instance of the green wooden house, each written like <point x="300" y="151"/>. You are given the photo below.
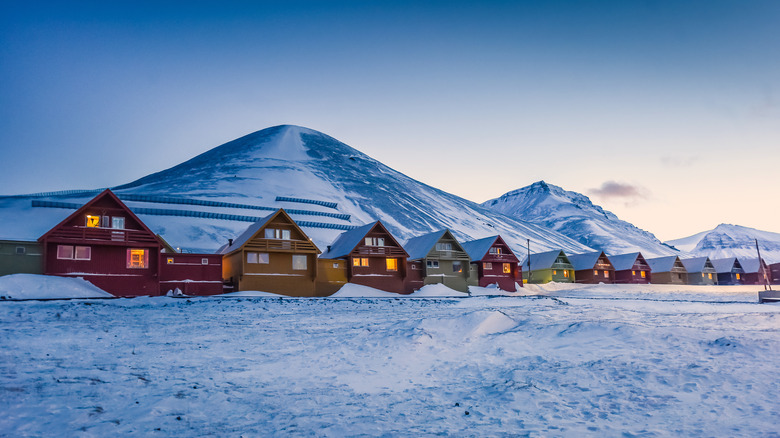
<point x="549" y="266"/>
<point x="439" y="258"/>
<point x="20" y="257"/>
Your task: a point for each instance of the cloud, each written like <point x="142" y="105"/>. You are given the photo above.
<point x="617" y="191"/>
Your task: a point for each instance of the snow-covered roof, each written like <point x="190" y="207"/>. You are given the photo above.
<point x="476" y="249"/>
<point x="242" y="238"/>
<point x="347" y="241"/>
<point x="624" y="262"/>
<point x="661" y="264"/>
<point x="419" y="247"/>
<point x="724" y="264"/>
<point x="750" y="266"/>
<point x="585" y="261"/>
<point x="544" y="260"/>
<point x="695" y="264"/>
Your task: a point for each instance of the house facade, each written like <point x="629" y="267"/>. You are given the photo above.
<point x="729" y="271"/>
<point x="668" y="270"/>
<point x="272" y="255"/>
<point x="592" y="268"/>
<point x="437" y="258"/>
<point x="20" y="257"/>
<point x="700" y="271"/>
<point x="495" y="263"/>
<point x="774" y="272"/>
<point x="548" y="266"/>
<point x="193" y="274"/>
<point x="754" y="271"/>
<point x="373" y="257"/>
<point x="630" y="268"/>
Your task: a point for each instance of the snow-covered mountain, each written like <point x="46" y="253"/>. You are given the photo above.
<point x="324" y="184"/>
<point x="574" y="215"/>
<point x="728" y="240"/>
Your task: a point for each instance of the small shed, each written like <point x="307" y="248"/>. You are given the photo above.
<point x="20" y="257"/>
<point x="754" y="271"/>
<point x="549" y="266"/>
<point x="631" y="268"/>
<point x="193" y="274"/>
<point x="437" y="258"/>
<point x="373" y="257"/>
<point x="700" y="271"/>
<point x="668" y="270"/>
<point x="495" y="262"/>
<point x="272" y="255"/>
<point x="729" y="271"/>
<point x="592" y="268"/>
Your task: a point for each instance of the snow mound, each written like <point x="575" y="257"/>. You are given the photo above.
<point x="437" y="290"/>
<point x="252" y="293"/>
<point x="492" y="290"/>
<point x="471" y="325"/>
<point x="46" y="287"/>
<point x="350" y="290"/>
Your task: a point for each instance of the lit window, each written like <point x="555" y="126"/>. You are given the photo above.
<point x="433" y="264"/>
<point x="633" y="273"/>
<point x="93" y="221"/>
<point x="118" y="222"/>
<point x="299" y="262"/>
<point x="64" y="252"/>
<point x="710" y="274"/>
<point x="360" y="261"/>
<point x="555" y="272"/>
<point x="595" y="272"/>
<point x="457" y="267"/>
<point x="507" y="268"/>
<point x="137" y="258"/>
<point x="643" y="273"/>
<point x="487" y="266"/>
<point x="169" y="260"/>
<point x="392" y="264"/>
<point x="606" y="274"/>
<point x="737" y="276"/>
<point x="566" y="273"/>
<point x="83" y="253"/>
<point x="494" y="250"/>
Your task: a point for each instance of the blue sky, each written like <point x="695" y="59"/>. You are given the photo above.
<point x="665" y="112"/>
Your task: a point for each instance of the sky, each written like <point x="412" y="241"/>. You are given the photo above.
<point x="666" y="113"/>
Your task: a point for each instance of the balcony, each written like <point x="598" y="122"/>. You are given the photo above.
<point x="98" y="234"/>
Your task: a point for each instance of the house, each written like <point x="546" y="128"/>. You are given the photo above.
<point x="729" y="270"/>
<point x="20" y="257"/>
<point x="495" y="262"/>
<point x="774" y="271"/>
<point x="436" y="258"/>
<point x="193" y="274"/>
<point x="754" y="272"/>
<point x="592" y="268"/>
<point x="372" y="256"/>
<point x="630" y="268"/>
<point x="107" y="245"/>
<point x="272" y="255"/>
<point x="700" y="271"/>
<point x="548" y="266"/>
<point x="668" y="270"/>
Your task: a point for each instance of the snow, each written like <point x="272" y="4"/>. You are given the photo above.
<point x="728" y="240"/>
<point x="600" y="360"/>
<point x="43" y="287"/>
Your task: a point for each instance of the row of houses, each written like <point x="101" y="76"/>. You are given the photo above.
<point x="108" y="245"/>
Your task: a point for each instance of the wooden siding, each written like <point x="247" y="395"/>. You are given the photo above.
<point x="601" y="272"/>
<point x="558" y="275"/>
<point x="376" y="274"/>
<point x="707" y="277"/>
<point x="331" y="276"/>
<point x="20" y="257"/>
<point x="774" y="271"/>
<point x="495" y="274"/>
<point x="193" y="274"/>
<point x="415" y="275"/>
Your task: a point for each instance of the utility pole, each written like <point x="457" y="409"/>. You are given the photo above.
<point x="528" y="248"/>
<point x="761" y="267"/>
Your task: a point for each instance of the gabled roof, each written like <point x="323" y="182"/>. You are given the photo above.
<point x="477" y="249"/>
<point x="254" y="229"/>
<point x="750" y="266"/>
<point x="349" y="240"/>
<point x="107" y="193"/>
<point x="544" y="260"/>
<point x="624" y="262"/>
<point x="725" y="265"/>
<point x="696" y="264"/>
<point x="419" y="247"/>
<point x="662" y="264"/>
<point x="585" y="261"/>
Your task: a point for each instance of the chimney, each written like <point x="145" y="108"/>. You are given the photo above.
<point x="328" y="249"/>
<point x="230" y="242"/>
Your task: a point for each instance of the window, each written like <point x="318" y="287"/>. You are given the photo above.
<point x="710" y="274"/>
<point x="487" y="266"/>
<point x="251" y="257"/>
<point x="565" y="273"/>
<point x="507" y="268"/>
<point x="104" y="221"/>
<point x="457" y="267"/>
<point x="737" y="275"/>
<point x="375" y="241"/>
<point x="445" y="246"/>
<point x="643" y="273"/>
<point x="415" y="267"/>
<point x="495" y="250"/>
<point x="137" y="258"/>
<point x="433" y="264"/>
<point x="169" y="260"/>
<point x="21" y="250"/>
<point x="117" y="222"/>
<point x="204" y="261"/>
<point x="360" y="261"/>
<point x="93" y="221"/>
<point x="64" y="252"/>
<point x="606" y="274"/>
<point x="335" y="265"/>
<point x="299" y="262"/>
<point x="83" y="253"/>
<point x="595" y="272"/>
<point x="633" y="273"/>
<point x="257" y="257"/>
<point x="392" y="264"/>
<point x="275" y="233"/>
<point x="555" y="272"/>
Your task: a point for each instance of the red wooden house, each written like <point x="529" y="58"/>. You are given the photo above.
<point x="496" y="263"/>
<point x="630" y="268"/>
<point x="374" y="258"/>
<point x="108" y="245"/>
<point x="592" y="268"/>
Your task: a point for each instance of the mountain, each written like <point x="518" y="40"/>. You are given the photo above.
<point x="728" y="240"/>
<point x="574" y="215"/>
<point x="324" y="184"/>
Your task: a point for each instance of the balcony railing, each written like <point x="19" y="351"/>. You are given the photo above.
<point x="380" y="250"/>
<point x="103" y="234"/>
<point x="281" y="245"/>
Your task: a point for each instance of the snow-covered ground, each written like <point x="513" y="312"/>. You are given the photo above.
<point x="578" y="361"/>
